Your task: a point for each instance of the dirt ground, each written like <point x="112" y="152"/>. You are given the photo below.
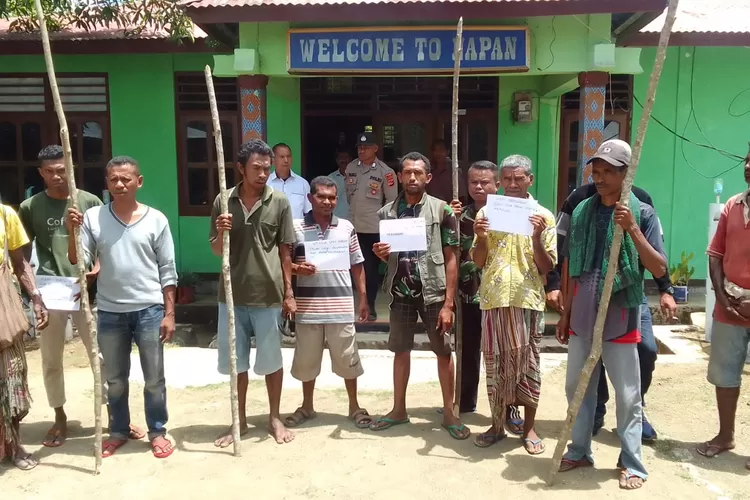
<point x="331" y="459"/>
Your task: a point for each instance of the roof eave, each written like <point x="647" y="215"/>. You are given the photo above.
<point x="403" y="11"/>
<point x="110" y="46"/>
<point x="687" y="39"/>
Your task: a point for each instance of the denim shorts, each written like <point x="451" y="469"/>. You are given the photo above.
<point x="263" y="323"/>
<point x="728" y="352"/>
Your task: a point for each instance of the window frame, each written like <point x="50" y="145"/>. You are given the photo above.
<point x="182" y="119"/>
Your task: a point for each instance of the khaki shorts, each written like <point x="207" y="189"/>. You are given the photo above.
<point x="342" y="346"/>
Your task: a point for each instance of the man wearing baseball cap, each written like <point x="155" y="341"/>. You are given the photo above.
<point x="370" y="184"/>
<point x="587" y="250"/>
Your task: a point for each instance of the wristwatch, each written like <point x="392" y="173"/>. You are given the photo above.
<point x="669" y="290"/>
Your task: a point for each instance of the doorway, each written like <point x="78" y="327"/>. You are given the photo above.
<point x="405" y="113"/>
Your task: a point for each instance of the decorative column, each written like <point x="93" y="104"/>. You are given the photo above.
<point x="590" y="120"/>
<point x="253" y="99"/>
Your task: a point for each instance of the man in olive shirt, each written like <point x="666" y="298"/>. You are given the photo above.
<point x="261" y="232"/>
<point x="43" y="217"/>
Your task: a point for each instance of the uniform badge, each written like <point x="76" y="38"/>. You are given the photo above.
<point x="351" y="180"/>
<point x="374" y="186"/>
<point x="390" y="179"/>
<point x="363" y="139"/>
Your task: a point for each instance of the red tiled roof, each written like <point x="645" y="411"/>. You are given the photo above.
<point x="259" y="3"/>
<point x="75" y="34"/>
<point x="707" y="16"/>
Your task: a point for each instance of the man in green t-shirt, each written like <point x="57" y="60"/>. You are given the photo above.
<point x="43" y="217"/>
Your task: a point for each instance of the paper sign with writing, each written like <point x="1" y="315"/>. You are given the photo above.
<point x="404" y="235"/>
<point x="59" y="293"/>
<point x="328" y="255"/>
<point x="510" y="215"/>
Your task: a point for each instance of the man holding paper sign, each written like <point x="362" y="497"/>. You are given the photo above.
<point x="325" y="248"/>
<point x="512" y="300"/>
<point x="421" y="282"/>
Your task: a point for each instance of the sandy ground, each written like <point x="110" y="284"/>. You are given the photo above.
<point x="331" y="459"/>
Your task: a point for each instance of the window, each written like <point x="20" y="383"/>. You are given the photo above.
<point x="28" y="122"/>
<point x="198" y="167"/>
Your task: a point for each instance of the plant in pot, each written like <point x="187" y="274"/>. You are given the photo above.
<point x="186" y="287"/>
<point x="680" y="275"/>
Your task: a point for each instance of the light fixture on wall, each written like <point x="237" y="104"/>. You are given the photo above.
<point x="522" y="108"/>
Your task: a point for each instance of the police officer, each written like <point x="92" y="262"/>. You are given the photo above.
<point x="370" y="184"/>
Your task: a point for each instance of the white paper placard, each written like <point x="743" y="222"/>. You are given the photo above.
<point x="59" y="293"/>
<point x="510" y="215"/>
<point x="404" y="235"/>
<point x="328" y="255"/>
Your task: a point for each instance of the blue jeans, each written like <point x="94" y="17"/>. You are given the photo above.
<point x="622" y="363"/>
<point x="647" y="354"/>
<point x="117" y="331"/>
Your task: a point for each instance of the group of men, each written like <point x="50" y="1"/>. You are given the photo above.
<point x="504" y="282"/>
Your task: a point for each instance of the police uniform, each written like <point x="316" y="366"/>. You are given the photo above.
<point x="368" y="188"/>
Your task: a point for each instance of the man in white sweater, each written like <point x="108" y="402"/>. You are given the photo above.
<point x="135" y="298"/>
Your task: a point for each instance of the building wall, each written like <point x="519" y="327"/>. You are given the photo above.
<point x="142" y="118"/>
<point x="680" y="175"/>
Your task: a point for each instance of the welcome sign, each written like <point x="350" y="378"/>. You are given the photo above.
<point x="401" y="50"/>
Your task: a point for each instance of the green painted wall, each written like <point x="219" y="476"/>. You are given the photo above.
<point x="142" y="120"/>
<point x="680" y="175"/>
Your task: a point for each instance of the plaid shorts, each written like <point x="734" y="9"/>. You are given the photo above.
<point x="404" y="325"/>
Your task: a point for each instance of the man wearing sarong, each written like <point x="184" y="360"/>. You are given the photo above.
<point x="512" y="300"/>
<point x="15" y="400"/>
<point x="587" y="249"/>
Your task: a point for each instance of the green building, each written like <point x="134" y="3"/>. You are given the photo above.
<point x="550" y="80"/>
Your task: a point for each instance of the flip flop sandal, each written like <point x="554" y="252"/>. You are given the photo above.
<point x="533" y="442"/>
<point x="362" y="419"/>
<point x="26" y="462"/>
<point x="568" y="465"/>
<point x="625" y="476"/>
<point x="54" y="438"/>
<point x="162" y="451"/>
<point x="299" y="417"/>
<point x="377" y="425"/>
<point x="110" y="446"/>
<point x="487" y="439"/>
<point x="514" y="426"/>
<point x="459" y="432"/>
<point x="709" y="450"/>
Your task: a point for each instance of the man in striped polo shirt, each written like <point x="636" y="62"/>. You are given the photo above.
<point x="325" y="306"/>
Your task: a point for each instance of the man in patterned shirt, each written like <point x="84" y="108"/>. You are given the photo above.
<point x="512" y="300"/>
<point x="483" y="180"/>
<point x="421" y="283"/>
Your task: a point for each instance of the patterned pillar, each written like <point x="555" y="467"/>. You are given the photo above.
<point x="253" y="99"/>
<point x="590" y="120"/>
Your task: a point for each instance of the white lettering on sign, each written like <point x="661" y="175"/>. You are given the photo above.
<point x="333" y="50"/>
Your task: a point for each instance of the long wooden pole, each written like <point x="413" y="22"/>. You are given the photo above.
<point x="596" y="347"/>
<point x="80" y="266"/>
<point x="225" y="269"/>
<point x="457" y="52"/>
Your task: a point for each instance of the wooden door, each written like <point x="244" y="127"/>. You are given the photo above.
<point x="400" y="133"/>
<point x="477" y="135"/>
<point x="616" y="126"/>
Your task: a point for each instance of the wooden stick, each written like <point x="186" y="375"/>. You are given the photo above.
<point x="596" y="347"/>
<point x="80" y="266"/>
<point x="225" y="269"/>
<point x="457" y="52"/>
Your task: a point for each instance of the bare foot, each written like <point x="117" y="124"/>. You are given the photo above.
<point x="135" y="433"/>
<point x="226" y="439"/>
<point x="279" y="432"/>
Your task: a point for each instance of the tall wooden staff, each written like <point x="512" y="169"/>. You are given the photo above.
<point x="225" y="270"/>
<point x="80" y="266"/>
<point x="457" y="51"/>
<point x="596" y="347"/>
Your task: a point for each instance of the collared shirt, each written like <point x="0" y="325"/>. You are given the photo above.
<point x="469" y="275"/>
<point x="326" y="296"/>
<point x="342" y="204"/>
<point x="255" y="237"/>
<point x="510" y="277"/>
<point x="368" y="189"/>
<point x="731" y="244"/>
<point x="296" y="189"/>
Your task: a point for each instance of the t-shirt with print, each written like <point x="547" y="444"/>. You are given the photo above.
<point x="326" y="296"/>
<point x="622" y="323"/>
<point x="406" y="281"/>
<point x="12" y="229"/>
<point x="43" y="218"/>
